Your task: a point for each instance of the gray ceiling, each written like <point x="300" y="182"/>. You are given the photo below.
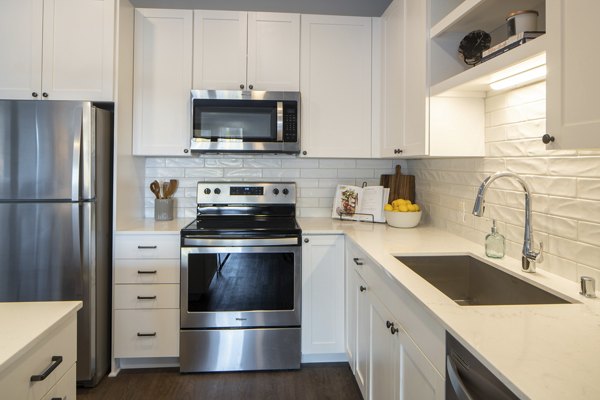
<point x="367" y="8"/>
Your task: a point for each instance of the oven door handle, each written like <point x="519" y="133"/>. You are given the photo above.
<point x="215" y="242"/>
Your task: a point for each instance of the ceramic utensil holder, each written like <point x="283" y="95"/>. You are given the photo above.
<point x="163" y="209"/>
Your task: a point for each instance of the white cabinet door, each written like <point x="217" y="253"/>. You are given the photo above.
<point x="335" y="81"/>
<point x="404" y="80"/>
<point x="273" y="51"/>
<point x="398" y="369"/>
<point x="21" y="49"/>
<point x="363" y="334"/>
<point x="57" y="49"/>
<point x="220" y="50"/>
<point x="383" y="354"/>
<point x="572" y="82"/>
<point x="162" y="81"/>
<point x="323" y="294"/>
<point x="78" y="50"/>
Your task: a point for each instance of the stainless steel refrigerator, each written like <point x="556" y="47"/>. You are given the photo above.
<point x="55" y="215"/>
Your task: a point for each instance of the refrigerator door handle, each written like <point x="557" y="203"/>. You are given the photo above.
<point x="87" y="152"/>
<point x="75" y="169"/>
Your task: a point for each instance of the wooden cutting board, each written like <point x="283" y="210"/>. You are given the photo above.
<point x="401" y="186"/>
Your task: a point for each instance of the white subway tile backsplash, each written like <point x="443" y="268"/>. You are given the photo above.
<point x="195" y="162"/>
<point x="164" y="172"/>
<point x="262" y="163"/>
<point x="319" y="173"/>
<point x="242" y="173"/>
<point x="203" y="173"/>
<point x="337" y="163"/>
<point x="565" y="186"/>
<point x="224" y="162"/>
<point x="281" y="173"/>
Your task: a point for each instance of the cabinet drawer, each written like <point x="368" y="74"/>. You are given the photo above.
<point x="147" y="246"/>
<point x="66" y="387"/>
<point x="15" y="382"/>
<point x="147" y="270"/>
<point x="146" y="296"/>
<point x="146" y="333"/>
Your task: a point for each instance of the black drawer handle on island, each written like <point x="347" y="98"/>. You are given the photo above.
<point x="147" y="247"/>
<point x="357" y="261"/>
<point x="146" y="297"/>
<point x="146" y="334"/>
<point x="56" y="360"/>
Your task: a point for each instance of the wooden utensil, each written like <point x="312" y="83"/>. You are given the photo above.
<point x="401" y="186"/>
<point x="171" y="188"/>
<point x="155" y="188"/>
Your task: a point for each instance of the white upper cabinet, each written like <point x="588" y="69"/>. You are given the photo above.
<point x="252" y="51"/>
<point x="335" y="82"/>
<point x="162" y="81"/>
<point x="573" y="81"/>
<point x="404" y="89"/>
<point x="273" y="51"/>
<point x="57" y="49"/>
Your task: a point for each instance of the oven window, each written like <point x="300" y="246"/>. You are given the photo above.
<point x="240" y="282"/>
<point x="248" y="123"/>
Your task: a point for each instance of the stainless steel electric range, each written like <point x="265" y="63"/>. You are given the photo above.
<point x="241" y="279"/>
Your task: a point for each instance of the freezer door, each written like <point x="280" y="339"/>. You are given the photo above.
<point x="41" y="149"/>
<point x="40" y="252"/>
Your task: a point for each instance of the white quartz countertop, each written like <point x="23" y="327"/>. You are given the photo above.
<point x="23" y="325"/>
<point x="539" y="351"/>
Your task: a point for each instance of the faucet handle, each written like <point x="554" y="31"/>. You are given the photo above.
<point x="539" y="257"/>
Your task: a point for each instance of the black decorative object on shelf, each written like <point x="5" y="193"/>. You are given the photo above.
<point x="473" y="45"/>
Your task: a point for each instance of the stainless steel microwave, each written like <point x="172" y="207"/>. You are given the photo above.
<point x="236" y="121"/>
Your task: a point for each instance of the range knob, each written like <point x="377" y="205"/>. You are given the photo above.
<point x="285" y="191"/>
<point x="207" y="191"/>
<point x="275" y="191"/>
<point x="217" y="191"/>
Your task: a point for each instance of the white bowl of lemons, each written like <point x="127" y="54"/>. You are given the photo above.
<point x="401" y="213"/>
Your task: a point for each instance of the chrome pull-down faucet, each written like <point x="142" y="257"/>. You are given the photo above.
<point x="530" y="256"/>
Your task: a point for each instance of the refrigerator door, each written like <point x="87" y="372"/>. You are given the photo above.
<point x="41" y="149"/>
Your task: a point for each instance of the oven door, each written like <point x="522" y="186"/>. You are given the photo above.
<point x="240" y="286"/>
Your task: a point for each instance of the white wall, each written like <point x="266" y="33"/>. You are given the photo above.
<point x="565" y="185"/>
<point x="316" y="178"/>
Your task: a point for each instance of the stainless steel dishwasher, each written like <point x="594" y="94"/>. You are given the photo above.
<point x="468" y="379"/>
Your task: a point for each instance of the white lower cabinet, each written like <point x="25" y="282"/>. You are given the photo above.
<point x="146" y="296"/>
<point x="323" y="298"/>
<point x="387" y="359"/>
<point x="54" y="356"/>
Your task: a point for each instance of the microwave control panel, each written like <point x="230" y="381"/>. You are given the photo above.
<point x="290" y="122"/>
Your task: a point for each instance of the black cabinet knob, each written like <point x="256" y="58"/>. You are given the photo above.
<point x="241" y="86"/>
<point x="362" y="288"/>
<point x="250" y="87"/>
<point x="44" y="94"/>
<point x="306" y="240"/>
<point x="304" y="153"/>
<point x="186" y="151"/>
<point x="34" y="94"/>
<point x="547" y="139"/>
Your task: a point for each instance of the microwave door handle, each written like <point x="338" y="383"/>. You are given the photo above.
<point x="280" y="121"/>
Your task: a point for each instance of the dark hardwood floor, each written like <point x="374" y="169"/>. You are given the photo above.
<point x="313" y="381"/>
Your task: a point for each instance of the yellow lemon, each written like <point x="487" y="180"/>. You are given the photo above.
<point x="403" y="208"/>
<point x="411" y="208"/>
<point x="388" y="207"/>
<point x="417" y="208"/>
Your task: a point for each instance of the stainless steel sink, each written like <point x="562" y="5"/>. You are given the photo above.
<point x="470" y="282"/>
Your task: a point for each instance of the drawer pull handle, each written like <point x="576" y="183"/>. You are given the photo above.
<point x="146" y="297"/>
<point x="56" y="360"/>
<point x="362" y="288"/>
<point x="147" y="247"/>
<point x="146" y="272"/>
<point x="357" y="261"/>
<point x="146" y="334"/>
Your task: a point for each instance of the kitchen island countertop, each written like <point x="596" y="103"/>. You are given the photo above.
<point x="28" y="323"/>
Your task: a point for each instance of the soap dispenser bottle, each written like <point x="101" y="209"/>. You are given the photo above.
<point x="494" y="243"/>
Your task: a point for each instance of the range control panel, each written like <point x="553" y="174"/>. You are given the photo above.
<point x="246" y="193"/>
